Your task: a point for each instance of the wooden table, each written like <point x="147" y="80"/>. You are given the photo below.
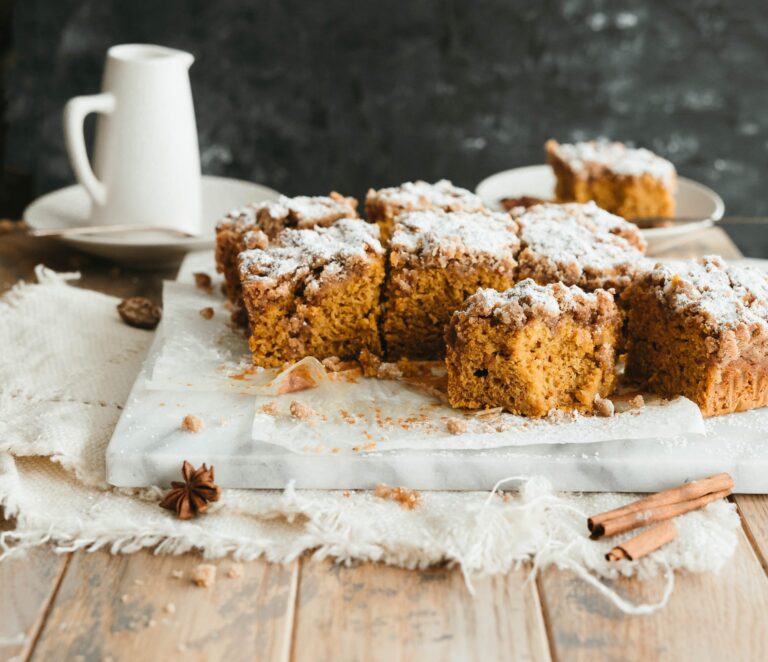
<point x="94" y="606"/>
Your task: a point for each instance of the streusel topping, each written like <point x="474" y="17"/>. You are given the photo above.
<point x="300" y="212"/>
<point x="579" y="244"/>
<point x="423" y="195"/>
<point x="333" y="248"/>
<point x="584" y="157"/>
<point x="441" y="236"/>
<point x="724" y="297"/>
<point x="527" y="301"/>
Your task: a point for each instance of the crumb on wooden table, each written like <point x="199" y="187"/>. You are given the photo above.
<point x="301" y="411"/>
<point x="408" y="499"/>
<point x="235" y="571"/>
<point x="603" y="406"/>
<point x="637" y="402"/>
<point x="170" y="608"/>
<point x="177" y="574"/>
<point x="204" y="575"/>
<point x="206" y="313"/>
<point x="192" y="423"/>
<point x="456" y="425"/>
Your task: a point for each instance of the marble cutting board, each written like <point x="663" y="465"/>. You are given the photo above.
<point x="148" y="447"/>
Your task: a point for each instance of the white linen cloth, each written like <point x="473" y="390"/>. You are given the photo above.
<point x="67" y="363"/>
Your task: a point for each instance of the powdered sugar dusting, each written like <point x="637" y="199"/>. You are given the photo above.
<point x="437" y="232"/>
<point x="423" y="195"/>
<point x="572" y="241"/>
<point x="724" y="296"/>
<point x="614" y="156"/>
<point x="301" y="212"/>
<point x="344" y="241"/>
<point x="528" y="300"/>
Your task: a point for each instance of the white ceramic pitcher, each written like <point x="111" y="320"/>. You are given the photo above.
<point x="146" y="166"/>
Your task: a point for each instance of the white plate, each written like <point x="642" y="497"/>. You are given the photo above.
<point x="71" y="207"/>
<point x="693" y="200"/>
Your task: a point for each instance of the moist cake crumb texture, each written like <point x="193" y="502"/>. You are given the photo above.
<point x="316" y="293"/>
<point x="631" y="182"/>
<point x="699" y="328"/>
<point x="533" y="349"/>
<point x="437" y="260"/>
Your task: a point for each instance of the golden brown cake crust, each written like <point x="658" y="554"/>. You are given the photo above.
<point x="437" y="259"/>
<point x="699" y="328"/>
<point x="314" y="294"/>
<point x="383" y="206"/>
<point x="578" y="244"/>
<point x="532" y="349"/>
<point x="264" y="221"/>
<point x="633" y="183"/>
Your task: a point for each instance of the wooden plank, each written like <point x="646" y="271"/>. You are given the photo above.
<point x="377" y="612"/>
<point x="133" y="608"/>
<point x="27" y="586"/>
<point x="709" y="616"/>
<point x="754" y="517"/>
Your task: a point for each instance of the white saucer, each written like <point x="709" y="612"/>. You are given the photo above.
<point x="693" y="200"/>
<point x="71" y="207"/>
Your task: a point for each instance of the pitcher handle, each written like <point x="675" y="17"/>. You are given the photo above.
<point x="75" y="113"/>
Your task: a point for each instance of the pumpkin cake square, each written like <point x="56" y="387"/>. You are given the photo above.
<point x="633" y="183"/>
<point x="315" y="293"/>
<point x="259" y="223"/>
<point x="699" y="328"/>
<point x="386" y="204"/>
<point x="533" y="349"/>
<point x="578" y="244"/>
<point x="437" y="259"/>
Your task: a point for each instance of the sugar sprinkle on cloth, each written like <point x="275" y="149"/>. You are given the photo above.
<point x="61" y="392"/>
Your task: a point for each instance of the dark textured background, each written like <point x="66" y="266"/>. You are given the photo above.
<point x="308" y="96"/>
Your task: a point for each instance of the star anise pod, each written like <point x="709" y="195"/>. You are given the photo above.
<point x="190" y="498"/>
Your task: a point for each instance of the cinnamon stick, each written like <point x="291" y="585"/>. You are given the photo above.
<point x="644" y="543"/>
<point x="719" y="484"/>
<point x="656" y="514"/>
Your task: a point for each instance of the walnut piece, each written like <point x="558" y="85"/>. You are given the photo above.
<point x="206" y="313"/>
<point x="204" y="575"/>
<point x="139" y="312"/>
<point x="192" y="423"/>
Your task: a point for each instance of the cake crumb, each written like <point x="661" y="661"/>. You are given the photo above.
<point x="177" y="574"/>
<point x="603" y="406"/>
<point x="346" y="493"/>
<point x="408" y="499"/>
<point x="332" y="363"/>
<point x="270" y="408"/>
<point x="206" y="313"/>
<point x="203" y="281"/>
<point x="124" y="598"/>
<point x="235" y="571"/>
<point x="456" y="426"/>
<point x="637" y="402"/>
<point x="170" y="608"/>
<point x="204" y="575"/>
<point x="192" y="423"/>
<point x="301" y="411"/>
